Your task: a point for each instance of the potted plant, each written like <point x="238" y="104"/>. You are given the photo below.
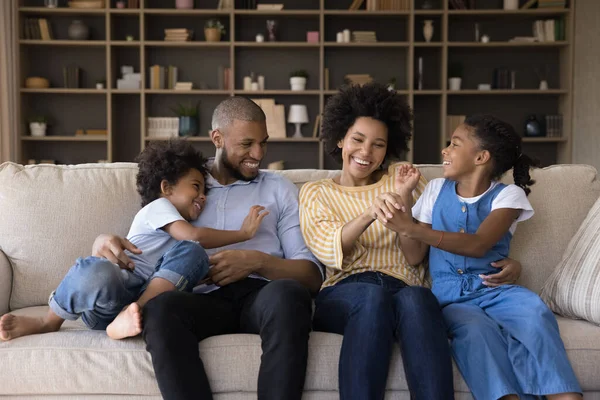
<point x="455" y="72"/>
<point x="100" y="83"/>
<point x="298" y="79"/>
<point x="38" y="125"/>
<point x="213" y="30"/>
<point x="188" y="119"/>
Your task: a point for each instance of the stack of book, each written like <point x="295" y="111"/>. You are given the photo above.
<point x="364" y="36"/>
<point x="178" y="35"/>
<point x="183" y="86"/>
<point x="163" y="127"/>
<point x="387" y="5"/>
<point x="269" y="7"/>
<point x="358" y="79"/>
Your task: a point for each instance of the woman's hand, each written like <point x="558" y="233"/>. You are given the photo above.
<point x="385" y="206"/>
<point x="510" y="271"/>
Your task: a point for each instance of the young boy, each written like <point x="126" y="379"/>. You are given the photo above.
<point x="171" y="252"/>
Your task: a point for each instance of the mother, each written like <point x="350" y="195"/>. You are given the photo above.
<point x="372" y="295"/>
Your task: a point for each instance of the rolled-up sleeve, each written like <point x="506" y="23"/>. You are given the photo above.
<point x="288" y="226"/>
<point x="322" y="229"/>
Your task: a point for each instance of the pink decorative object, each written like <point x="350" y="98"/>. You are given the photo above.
<point x="184" y="4"/>
<point x="120" y="4"/>
<point x="312" y="36"/>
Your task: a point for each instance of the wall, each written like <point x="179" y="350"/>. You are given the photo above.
<point x="586" y="113"/>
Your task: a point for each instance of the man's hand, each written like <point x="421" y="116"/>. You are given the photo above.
<point x="112" y="248"/>
<point x="510" y="270"/>
<point x="230" y="266"/>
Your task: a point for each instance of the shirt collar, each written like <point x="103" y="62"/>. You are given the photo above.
<point x="211" y="182"/>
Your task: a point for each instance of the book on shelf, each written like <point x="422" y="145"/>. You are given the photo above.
<point x="551" y="3"/>
<point x="355" y="5"/>
<point x="528" y="4"/>
<point x="452" y="122"/>
<point x="71" y="77"/>
<point x="554" y="125"/>
<point x="549" y="30"/>
<point x="317" y="127"/>
<point x="37" y="29"/>
<point x="183" y="86"/>
<point x="275" y="117"/>
<point x="178" y="35"/>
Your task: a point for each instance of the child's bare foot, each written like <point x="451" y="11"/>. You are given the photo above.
<point x="128" y="323"/>
<point x="12" y="326"/>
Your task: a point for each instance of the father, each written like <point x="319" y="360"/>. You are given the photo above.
<point x="265" y="291"/>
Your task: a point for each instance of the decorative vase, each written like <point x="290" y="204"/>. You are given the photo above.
<point x="188" y="126"/>
<point x="212" y="34"/>
<point x="184" y="4"/>
<point x="78" y="30"/>
<point x="428" y="30"/>
<point x="297" y="83"/>
<point x="454" y="83"/>
<point x="533" y="128"/>
<point x="511" y="4"/>
<point x="37" y="128"/>
<point x="543" y="84"/>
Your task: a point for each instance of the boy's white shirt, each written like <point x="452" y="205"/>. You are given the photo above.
<point x="147" y="234"/>
<point x="511" y="196"/>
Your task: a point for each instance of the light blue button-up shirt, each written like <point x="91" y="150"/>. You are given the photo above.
<point x="279" y="233"/>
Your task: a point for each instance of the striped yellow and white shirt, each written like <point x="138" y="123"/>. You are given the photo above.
<point x="325" y="207"/>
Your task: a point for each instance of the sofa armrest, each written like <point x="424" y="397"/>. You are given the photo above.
<point x="6" y="276"/>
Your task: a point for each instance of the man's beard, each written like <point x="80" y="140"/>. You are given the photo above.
<point x="233" y="171"/>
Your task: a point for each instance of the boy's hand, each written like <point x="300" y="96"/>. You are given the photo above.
<point x="252" y="221"/>
<point x="407" y="179"/>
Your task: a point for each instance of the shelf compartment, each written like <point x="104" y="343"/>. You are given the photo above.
<point x="51" y="138"/>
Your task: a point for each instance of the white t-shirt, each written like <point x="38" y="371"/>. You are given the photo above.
<point x="147" y="235"/>
<point x="511" y="196"/>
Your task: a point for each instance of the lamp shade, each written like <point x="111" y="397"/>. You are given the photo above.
<point x="298" y="114"/>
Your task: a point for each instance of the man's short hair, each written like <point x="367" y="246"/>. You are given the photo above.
<point x="240" y="108"/>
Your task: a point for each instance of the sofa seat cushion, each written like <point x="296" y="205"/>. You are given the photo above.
<point x="69" y="362"/>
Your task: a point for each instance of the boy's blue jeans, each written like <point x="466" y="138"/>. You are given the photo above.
<point x="97" y="290"/>
<point x="372" y="310"/>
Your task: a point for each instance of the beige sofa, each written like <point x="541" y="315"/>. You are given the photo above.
<point x="50" y="215"/>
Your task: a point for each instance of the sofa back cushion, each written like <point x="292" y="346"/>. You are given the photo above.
<point x="50" y="215"/>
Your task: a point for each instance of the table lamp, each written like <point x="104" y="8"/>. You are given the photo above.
<point x="298" y="115"/>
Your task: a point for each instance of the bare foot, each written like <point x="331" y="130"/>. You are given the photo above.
<point x="12" y="326"/>
<point x="128" y="323"/>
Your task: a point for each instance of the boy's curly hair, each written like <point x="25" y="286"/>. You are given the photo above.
<point x="168" y="160"/>
<point x="370" y="100"/>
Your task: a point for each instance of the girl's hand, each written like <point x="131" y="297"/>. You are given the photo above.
<point x="407" y="179"/>
<point x="401" y="222"/>
<point x="510" y="270"/>
<point x="385" y="205"/>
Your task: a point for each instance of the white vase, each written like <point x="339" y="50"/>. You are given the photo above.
<point x="428" y="30"/>
<point x="543" y="85"/>
<point x="37" y="128"/>
<point x="454" y="83"/>
<point x="298" y="83"/>
<point x="511" y="4"/>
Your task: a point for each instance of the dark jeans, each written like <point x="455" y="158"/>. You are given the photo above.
<point x="279" y="311"/>
<point x="372" y="310"/>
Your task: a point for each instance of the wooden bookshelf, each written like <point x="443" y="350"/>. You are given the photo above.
<point x="400" y="43"/>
